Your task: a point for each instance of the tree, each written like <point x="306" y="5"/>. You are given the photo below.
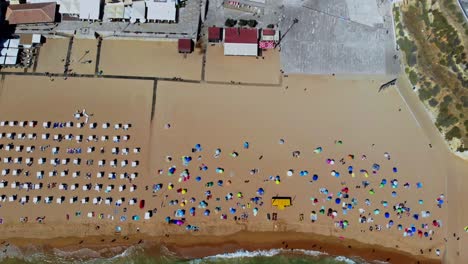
<point x="243" y="22"/>
<point x="230" y="22"/>
<point x="252" y="23"/>
<point x="455" y="132"/>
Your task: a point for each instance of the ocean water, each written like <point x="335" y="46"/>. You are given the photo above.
<point x="140" y="255"/>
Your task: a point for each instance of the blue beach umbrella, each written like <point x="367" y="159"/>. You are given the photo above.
<point x="246" y="145"/>
<point x="337" y="200"/>
<point x="232" y="210"/>
<point x="260" y="191"/>
<point x="419" y="185"/>
<point x="395" y="170"/>
<point x="220" y="183"/>
<point x="387" y="215"/>
<point x="207" y="212"/>
<point x="394" y="194"/>
<point x="198" y="179"/>
<point x="315" y="177"/>
<point x="304" y="173"/>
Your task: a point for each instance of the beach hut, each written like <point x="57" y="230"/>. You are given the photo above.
<point x="79" y="138"/>
<point x="3" y="198"/>
<point x="12" y="198"/>
<point x="123" y="163"/>
<point x="32" y="123"/>
<point x="12" y="123"/>
<point x="48" y="199"/>
<point x="116" y="139"/>
<point x="23" y="123"/>
<point x="19" y="148"/>
<point x="8" y="147"/>
<point x="105" y="125"/>
<point x="52" y="173"/>
<point x="30" y="149"/>
<point x="74" y="199"/>
<point x="109" y="187"/>
<point x="117" y="126"/>
<point x="7" y="160"/>
<point x="132" y="201"/>
<point x="45" y="136"/>
<point x="113" y="163"/>
<point x="122" y="187"/>
<point x="2" y="135"/>
<point x="101" y="163"/>
<point x="2" y="123"/>
<point x="36" y="199"/>
<point x="125" y="151"/>
<point x="26" y="186"/>
<point x="60" y="199"/>
<point x="136" y="150"/>
<point x="77" y="161"/>
<point x="97" y="200"/>
<point x="24" y="199"/>
<point x="90" y="149"/>
<point x="64" y="173"/>
<point x="21" y="136"/>
<point x="68" y="137"/>
<point x="133" y="175"/>
<point x="65" y="161"/>
<point x="126" y="137"/>
<point x="15" y="172"/>
<point x="115" y="151"/>
<point x="3" y="184"/>
<point x="40" y="174"/>
<point x="104" y="138"/>
<point x="148" y="215"/>
<point x="92" y="138"/>
<point x="93" y="125"/>
<point x="108" y="201"/>
<point x="46" y="124"/>
<point x="5" y="172"/>
<point x="135" y="163"/>
<point x="80" y="125"/>
<point x="98" y="187"/>
<point x="18" y="160"/>
<point x="63" y="186"/>
<point x="281" y="202"/>
<point x="32" y="136"/>
<point x="41" y="161"/>
<point x="37" y="186"/>
<point x="126" y="126"/>
<point x="86" y="187"/>
<point x="69" y="124"/>
<point x="74" y="186"/>
<point x="85" y="200"/>
<point x="100" y="174"/>
<point x="119" y="201"/>
<point x="132" y="188"/>
<point x="112" y="175"/>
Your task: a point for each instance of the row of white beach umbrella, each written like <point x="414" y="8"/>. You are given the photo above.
<point x="69" y="124"/>
<point x="64" y="186"/>
<point x="76" y="161"/>
<point x="74" y="199"/>
<point x="59" y="137"/>
<point x="75" y="174"/>
<point x="56" y="150"/>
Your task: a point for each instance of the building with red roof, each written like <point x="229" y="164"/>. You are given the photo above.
<point x="241" y="41"/>
<point x="185" y="45"/>
<point x="31" y="13"/>
<point x="214" y="34"/>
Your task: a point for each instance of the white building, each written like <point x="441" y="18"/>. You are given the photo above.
<point x="138" y="12"/>
<point x="162" y="10"/>
<point x="241" y="41"/>
<point x="90" y="9"/>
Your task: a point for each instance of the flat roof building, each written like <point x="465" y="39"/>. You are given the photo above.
<point x="162" y="10"/>
<point x="241" y="41"/>
<point x="185" y="45"/>
<point x="31" y="13"/>
<point x="90" y="9"/>
<point x="214" y="34"/>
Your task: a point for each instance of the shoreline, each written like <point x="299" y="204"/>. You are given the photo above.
<point x="191" y="246"/>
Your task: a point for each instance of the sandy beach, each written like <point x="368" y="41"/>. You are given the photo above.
<point x="357" y="162"/>
<point x="149" y="58"/>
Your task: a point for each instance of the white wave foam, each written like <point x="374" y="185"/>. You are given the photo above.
<point x="345" y="260"/>
<point x="263" y="253"/>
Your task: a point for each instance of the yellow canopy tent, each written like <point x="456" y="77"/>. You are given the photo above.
<point x="281" y="202"/>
